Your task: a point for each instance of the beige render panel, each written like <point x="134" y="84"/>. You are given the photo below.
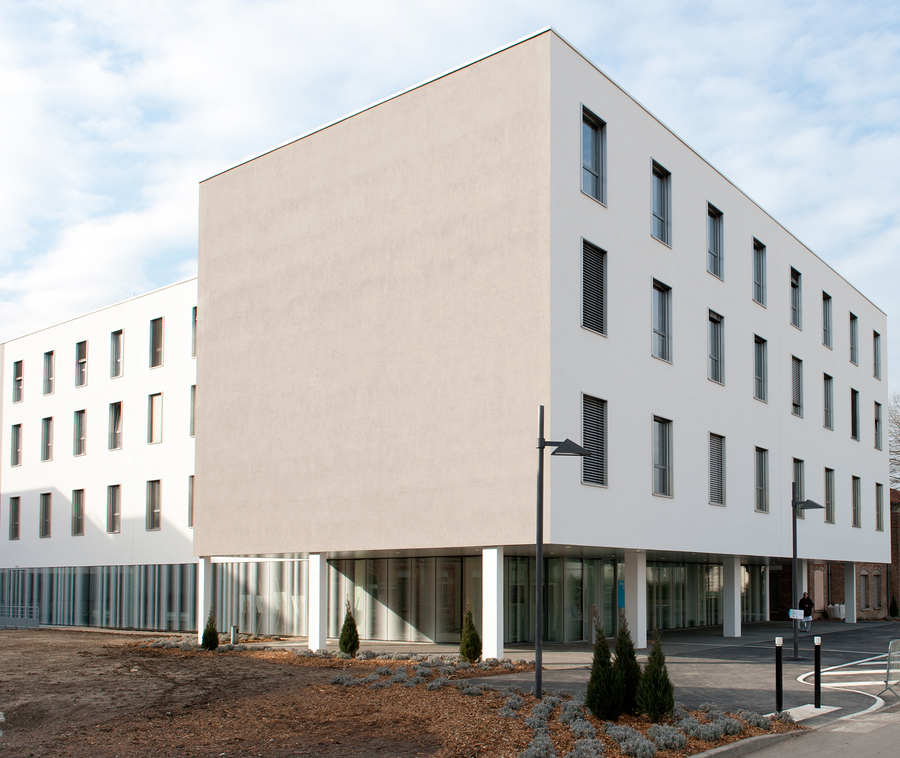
<point x="374" y="315"/>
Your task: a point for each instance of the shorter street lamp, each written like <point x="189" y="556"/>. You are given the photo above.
<point x="566" y="447"/>
<point x="797" y="505"/>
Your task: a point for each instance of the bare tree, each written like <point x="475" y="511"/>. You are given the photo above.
<point x="894" y="439"/>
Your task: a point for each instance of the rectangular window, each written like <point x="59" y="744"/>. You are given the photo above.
<point x="662" y="183"/>
<point x="716" y="348"/>
<point x="796" y="302"/>
<point x="762" y="480"/>
<point x="714" y="242"/>
<point x="194" y="332"/>
<point x="799" y="480"/>
<point x="876" y="355"/>
<point x="48" y="372"/>
<point x="878" y="426"/>
<point x="153" y="505"/>
<point x="593" y="468"/>
<point x="857" y="512"/>
<point x="759" y="272"/>
<point x="662" y="456"/>
<point x="115" y="426"/>
<point x="18" y="381"/>
<point x="829" y="496"/>
<point x="77" y="513"/>
<point x="593" y="288"/>
<point x="15" y="446"/>
<point x="662" y="317"/>
<point x="154" y="418"/>
<point x="593" y="156"/>
<point x="828" y="394"/>
<point x="854" y="414"/>
<point x="47" y="439"/>
<point x="44" y="515"/>
<point x="716" y="469"/>
<point x="113" y="509"/>
<point x="14" y="518"/>
<point x="80" y="364"/>
<point x="80" y="435"/>
<point x="876" y="589"/>
<point x="854" y="340"/>
<point x="826" y="319"/>
<point x="760" y="369"/>
<point x="864" y="590"/>
<point x="156" y="342"/>
<point x="191" y="501"/>
<point x="116" y="354"/>
<point x="879" y="507"/>
<point x="193" y="406"/>
<point x="796" y="386"/>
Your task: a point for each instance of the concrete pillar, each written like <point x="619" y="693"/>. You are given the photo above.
<point x="204" y="594"/>
<point x="492" y="602"/>
<point x="849" y="592"/>
<point x="731" y="596"/>
<point x="767" y="589"/>
<point x="318" y="600"/>
<point x="804" y="575"/>
<point x="636" y="595"/>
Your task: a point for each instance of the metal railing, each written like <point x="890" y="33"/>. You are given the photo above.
<point x="20" y="616"/>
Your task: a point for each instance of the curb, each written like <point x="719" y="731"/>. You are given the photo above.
<point x="751" y="744"/>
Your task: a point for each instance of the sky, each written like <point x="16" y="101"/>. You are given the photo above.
<point x="114" y="111"/>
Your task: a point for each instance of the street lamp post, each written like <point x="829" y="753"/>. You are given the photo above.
<point x="566" y="447"/>
<point x="797" y="505"/>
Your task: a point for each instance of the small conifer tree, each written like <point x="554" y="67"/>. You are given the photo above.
<point x="603" y="696"/>
<point x="210" y="639"/>
<point x="627" y="667"/>
<point x="470" y="642"/>
<point x="655" y="695"/>
<point x="893" y="608"/>
<point x="349" y="640"/>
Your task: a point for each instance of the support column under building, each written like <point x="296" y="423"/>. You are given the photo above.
<point x="204" y="594"/>
<point x="849" y="592"/>
<point x="731" y="596"/>
<point x="636" y="595"/>
<point x="492" y="602"/>
<point x="318" y="601"/>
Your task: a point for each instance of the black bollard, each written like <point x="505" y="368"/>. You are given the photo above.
<point x="818" y="679"/>
<point x="779" y="692"/>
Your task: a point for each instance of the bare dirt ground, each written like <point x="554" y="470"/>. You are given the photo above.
<point x="85" y="694"/>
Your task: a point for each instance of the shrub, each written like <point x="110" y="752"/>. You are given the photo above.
<point x="210" y="640"/>
<point x="470" y="642"/>
<point x="628" y="668"/>
<point x="893" y="609"/>
<point x="571" y="711"/>
<point x="436" y="684"/>
<point x="655" y="694"/>
<point x="783" y="716"/>
<point x="754" y="719"/>
<point x="620" y="733"/>
<point x="711" y="731"/>
<point x="583" y="729"/>
<point x="667" y="737"/>
<point x="638" y="747"/>
<point x="689" y="725"/>
<point x="541" y="747"/>
<point x="349" y="640"/>
<point x="603" y="697"/>
<point x="587" y="748"/>
<point x="732" y="726"/>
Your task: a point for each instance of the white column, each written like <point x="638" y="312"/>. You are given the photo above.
<point x="804" y="575"/>
<point x="204" y="594"/>
<point x="731" y="596"/>
<point x="318" y="600"/>
<point x="767" y="590"/>
<point x="492" y="602"/>
<point x="849" y="592"/>
<point x="636" y="595"/>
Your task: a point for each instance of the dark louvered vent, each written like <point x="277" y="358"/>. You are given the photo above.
<point x="716" y="469"/>
<point x="796" y="386"/>
<point x="593" y="296"/>
<point x="593" y="469"/>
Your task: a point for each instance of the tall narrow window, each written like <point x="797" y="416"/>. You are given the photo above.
<point x="796" y="386"/>
<point x="760" y="369"/>
<point x="44" y="515"/>
<point x="662" y="456"/>
<point x="48" y="372"/>
<point x="15" y="446"/>
<point x="116" y="354"/>
<point x="857" y="509"/>
<point x="193" y="406"/>
<point x="662" y="312"/>
<point x="716" y="348"/>
<point x="801" y="486"/>
<point x="80" y="433"/>
<point x="759" y="272"/>
<point x="829" y="496"/>
<point x="828" y="394"/>
<point x="854" y="340"/>
<point x="14" y="518"/>
<point x="113" y="508"/>
<point x="191" y="500"/>
<point x="77" y="513"/>
<point x="154" y="418"/>
<point x="878" y="426"/>
<point x="18" y="381"/>
<point x="194" y="332"/>
<point x="879" y="507"/>
<point x="156" y="342"/>
<point x="153" y="505"/>
<point x="47" y="439"/>
<point x="876" y="355"/>
<point x="593" y="144"/>
<point x="716" y="469"/>
<point x="826" y="319"/>
<point x="854" y="414"/>
<point x="593" y="288"/>
<point x="864" y="590"/>
<point x="115" y="426"/>
<point x="662" y="183"/>
<point x="80" y="364"/>
<point x="762" y="480"/>
<point x="714" y="263"/>
<point x="796" y="301"/>
<point x="593" y="467"/>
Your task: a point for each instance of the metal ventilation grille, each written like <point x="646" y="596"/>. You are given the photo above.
<point x="593" y="468"/>
<point x="716" y="469"/>
<point x="593" y="296"/>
